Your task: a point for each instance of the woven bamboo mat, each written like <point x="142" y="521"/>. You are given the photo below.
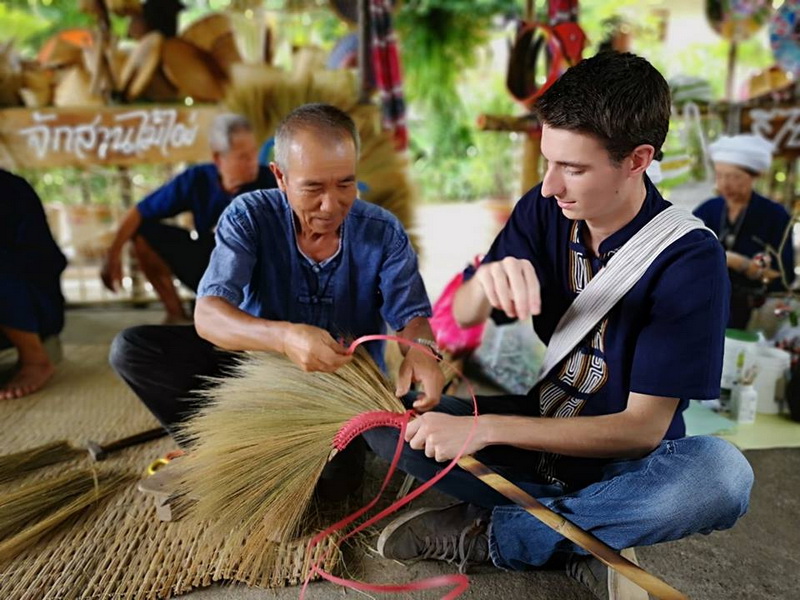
<point x="119" y="549"/>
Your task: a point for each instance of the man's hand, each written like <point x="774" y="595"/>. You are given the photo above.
<point x="313" y="349"/>
<point x="111" y="272"/>
<point x="419" y="367"/>
<point x="441" y="436"/>
<point x="512" y="286"/>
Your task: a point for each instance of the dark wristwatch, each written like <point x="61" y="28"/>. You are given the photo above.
<point x="431" y="345"/>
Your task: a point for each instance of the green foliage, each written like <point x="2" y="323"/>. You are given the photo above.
<point x="439" y="41"/>
<point x="31" y="22"/>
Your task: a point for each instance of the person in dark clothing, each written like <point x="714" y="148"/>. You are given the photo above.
<point x="165" y="251"/>
<point x="31" y="302"/>
<point x="748" y="225"/>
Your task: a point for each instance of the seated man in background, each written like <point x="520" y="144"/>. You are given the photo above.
<point x="165" y="251"/>
<point x="294" y="270"/>
<point x="31" y="303"/>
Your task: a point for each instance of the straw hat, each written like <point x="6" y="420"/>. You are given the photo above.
<point x="226" y="52"/>
<point x="160" y="89"/>
<point x="204" y="32"/>
<point x="37" y="86"/>
<point x="74" y="89"/>
<point x="65" y="48"/>
<point x="10" y="76"/>
<point x="214" y="34"/>
<point x="192" y="70"/>
<point x="141" y="64"/>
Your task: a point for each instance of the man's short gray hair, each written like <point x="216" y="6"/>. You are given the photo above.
<point x="323" y="119"/>
<point x="223" y="128"/>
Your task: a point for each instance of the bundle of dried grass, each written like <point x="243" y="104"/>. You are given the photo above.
<point x="28" y="513"/>
<point x="265" y="95"/>
<point x="260" y="445"/>
<point x="21" y="463"/>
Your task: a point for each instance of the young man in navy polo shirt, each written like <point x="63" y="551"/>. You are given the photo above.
<point x="600" y="440"/>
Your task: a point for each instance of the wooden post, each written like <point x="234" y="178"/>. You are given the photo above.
<point x="363" y="52"/>
<point x="126" y="195"/>
<point x="731" y="79"/>
<point x="531" y="154"/>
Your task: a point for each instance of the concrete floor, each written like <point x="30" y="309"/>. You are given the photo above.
<point x="757" y="559"/>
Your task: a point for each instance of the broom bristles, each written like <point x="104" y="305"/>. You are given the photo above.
<point x="21" y="463"/>
<point x="35" y="509"/>
<point x="264" y="438"/>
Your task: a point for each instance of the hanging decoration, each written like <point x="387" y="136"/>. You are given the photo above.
<point x="784" y="36"/>
<point x="737" y="20"/>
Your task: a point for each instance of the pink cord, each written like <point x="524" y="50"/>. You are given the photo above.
<point x="350" y="430"/>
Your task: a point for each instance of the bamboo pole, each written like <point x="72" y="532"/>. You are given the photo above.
<point x="572" y="532"/>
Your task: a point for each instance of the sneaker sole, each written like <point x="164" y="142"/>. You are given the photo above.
<point x="400" y="521"/>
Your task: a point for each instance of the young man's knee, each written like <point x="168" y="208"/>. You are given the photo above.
<point x="727" y="479"/>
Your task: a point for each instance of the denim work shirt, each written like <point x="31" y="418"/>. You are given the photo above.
<point x="373" y="280"/>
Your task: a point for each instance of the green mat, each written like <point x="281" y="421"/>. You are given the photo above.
<point x="769" y="431"/>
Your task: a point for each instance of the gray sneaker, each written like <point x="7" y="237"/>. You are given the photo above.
<point x="604" y="582"/>
<point x="590" y="572"/>
<point x="456" y="534"/>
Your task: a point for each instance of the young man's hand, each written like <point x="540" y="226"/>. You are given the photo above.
<point x="419" y="367"/>
<point x="512" y="286"/>
<point x="441" y="435"/>
<point x="313" y="349"/>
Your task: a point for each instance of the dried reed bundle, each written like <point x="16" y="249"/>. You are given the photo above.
<point x="260" y="445"/>
<point x="265" y="95"/>
<point x="33" y="510"/>
<point x="21" y="463"/>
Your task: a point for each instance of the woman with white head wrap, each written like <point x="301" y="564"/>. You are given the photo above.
<point x="746" y="222"/>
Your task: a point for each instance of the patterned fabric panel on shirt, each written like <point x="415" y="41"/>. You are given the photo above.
<point x="585" y="371"/>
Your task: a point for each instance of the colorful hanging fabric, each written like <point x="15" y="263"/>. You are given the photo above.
<point x="388" y="72"/>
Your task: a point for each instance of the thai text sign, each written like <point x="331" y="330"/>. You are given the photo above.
<point x="779" y="124"/>
<point x="125" y="135"/>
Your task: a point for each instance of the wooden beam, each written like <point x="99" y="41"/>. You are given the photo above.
<point x="526" y="124"/>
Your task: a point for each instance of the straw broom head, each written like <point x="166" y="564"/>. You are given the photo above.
<point x="21" y="463"/>
<point x="261" y="443"/>
<point x="35" y="509"/>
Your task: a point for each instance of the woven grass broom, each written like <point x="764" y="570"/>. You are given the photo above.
<point x="22" y="463"/>
<point x="259" y="446"/>
<point x="35" y="509"/>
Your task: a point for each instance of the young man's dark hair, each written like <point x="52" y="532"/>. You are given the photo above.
<point x="620" y="98"/>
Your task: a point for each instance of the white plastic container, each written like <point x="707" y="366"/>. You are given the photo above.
<point x="770" y="384"/>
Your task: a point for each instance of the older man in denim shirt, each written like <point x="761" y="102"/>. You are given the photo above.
<point x="294" y="270"/>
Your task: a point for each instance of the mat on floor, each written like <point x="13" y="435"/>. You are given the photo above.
<point x="769" y="431"/>
<point x="117" y="549"/>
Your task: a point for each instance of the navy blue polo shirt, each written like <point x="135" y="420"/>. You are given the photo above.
<point x="664" y="338"/>
<point x="762" y="223"/>
<point x="373" y="279"/>
<point x="199" y="190"/>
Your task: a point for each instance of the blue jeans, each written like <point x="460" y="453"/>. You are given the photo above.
<point x="685" y="486"/>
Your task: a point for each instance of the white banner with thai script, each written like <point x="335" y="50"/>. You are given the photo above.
<point x="125" y="135"/>
<point x="778" y="124"/>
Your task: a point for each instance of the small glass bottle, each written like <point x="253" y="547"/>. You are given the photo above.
<point x="746" y="404"/>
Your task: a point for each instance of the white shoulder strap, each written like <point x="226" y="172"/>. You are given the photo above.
<point x="614" y="280"/>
